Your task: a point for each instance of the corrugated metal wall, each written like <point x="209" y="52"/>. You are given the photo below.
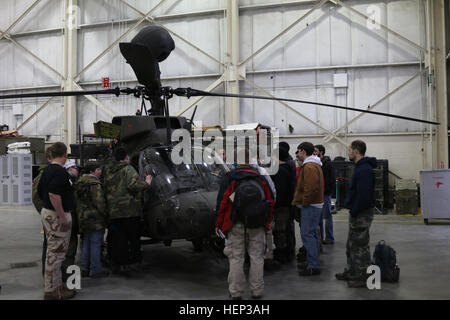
<point x="300" y="64"/>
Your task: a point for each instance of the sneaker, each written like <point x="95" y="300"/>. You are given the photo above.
<point x="309" y="272"/>
<point x="101" y="274"/>
<point x="302" y="265"/>
<point x="327" y="242"/>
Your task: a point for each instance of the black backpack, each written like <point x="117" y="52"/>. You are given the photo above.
<point x="249" y="203"/>
<point x="384" y="257"/>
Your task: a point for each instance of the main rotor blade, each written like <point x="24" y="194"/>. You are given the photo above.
<point x="115" y="91"/>
<point x="189" y="92"/>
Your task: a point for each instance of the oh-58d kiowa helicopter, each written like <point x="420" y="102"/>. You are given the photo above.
<point x="182" y="202"/>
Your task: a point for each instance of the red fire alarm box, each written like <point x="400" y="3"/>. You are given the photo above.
<point x="105" y="82"/>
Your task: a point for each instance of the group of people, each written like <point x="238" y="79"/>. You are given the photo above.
<point x="256" y="211"/>
<point x="71" y="206"/>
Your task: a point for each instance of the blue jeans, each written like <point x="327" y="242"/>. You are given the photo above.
<point x="91" y="252"/>
<point x="328" y="217"/>
<point x="310" y="235"/>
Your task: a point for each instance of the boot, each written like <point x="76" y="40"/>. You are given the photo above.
<point x="68" y="293"/>
<point x="358" y="282"/>
<point x="343" y="275"/>
<point x="58" y="294"/>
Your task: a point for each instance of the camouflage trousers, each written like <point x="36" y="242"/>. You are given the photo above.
<point x="283" y="232"/>
<point x="358" y="248"/>
<point x="235" y="251"/>
<point x="57" y="244"/>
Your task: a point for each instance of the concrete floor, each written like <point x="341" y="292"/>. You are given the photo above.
<point x="178" y="272"/>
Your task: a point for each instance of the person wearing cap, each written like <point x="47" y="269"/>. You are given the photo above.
<point x="72" y="170"/>
<point x="289" y="160"/>
<point x="283" y="232"/>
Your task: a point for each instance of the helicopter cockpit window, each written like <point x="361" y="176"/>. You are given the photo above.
<point x="213" y="169"/>
<point x="170" y="179"/>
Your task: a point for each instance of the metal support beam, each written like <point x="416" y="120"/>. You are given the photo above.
<point x="381" y="25"/>
<point x="152" y="20"/>
<point x="297" y="112"/>
<point x="112" y="45"/>
<point x="232" y="106"/>
<point x="317" y="6"/>
<point x="34" y="4"/>
<point x="34" y="114"/>
<point x="96" y="101"/>
<point x="214" y="85"/>
<point x="439" y="87"/>
<point x="17" y="44"/>
<point x="373" y="106"/>
<point x="70" y="71"/>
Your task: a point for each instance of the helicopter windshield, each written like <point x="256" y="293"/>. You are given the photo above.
<point x="170" y="179"/>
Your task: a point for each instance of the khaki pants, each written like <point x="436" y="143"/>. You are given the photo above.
<point x="57" y="245"/>
<point x="235" y="251"/>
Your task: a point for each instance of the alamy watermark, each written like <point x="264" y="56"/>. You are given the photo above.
<point x="374" y="281"/>
<point x="214" y="146"/>
<point x="74" y="280"/>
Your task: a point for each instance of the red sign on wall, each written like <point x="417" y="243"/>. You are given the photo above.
<point x="105" y="82"/>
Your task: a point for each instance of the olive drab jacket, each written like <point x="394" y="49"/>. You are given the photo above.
<point x="37" y="202"/>
<point x="123" y="191"/>
<point x="90" y="204"/>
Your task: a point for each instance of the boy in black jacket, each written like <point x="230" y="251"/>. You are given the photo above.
<point x="360" y="201"/>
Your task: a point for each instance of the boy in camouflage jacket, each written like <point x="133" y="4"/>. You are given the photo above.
<point x="92" y="217"/>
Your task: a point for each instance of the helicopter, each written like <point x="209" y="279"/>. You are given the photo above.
<point x="182" y="201"/>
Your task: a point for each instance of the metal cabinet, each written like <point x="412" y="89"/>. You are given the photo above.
<point x="16" y="179"/>
<point x="5" y="180"/>
<point x="435" y="194"/>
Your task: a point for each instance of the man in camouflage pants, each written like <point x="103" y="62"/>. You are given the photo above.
<point x="56" y="193"/>
<point x="360" y="201"/>
<point x="123" y="191"/>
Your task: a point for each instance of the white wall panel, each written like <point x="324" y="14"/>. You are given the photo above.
<point x="368" y="45"/>
<point x="47" y="14"/>
<point x="331" y="36"/>
<point x="406" y="18"/>
<point x="20" y="69"/>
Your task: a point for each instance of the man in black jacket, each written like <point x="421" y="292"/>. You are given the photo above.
<point x="360" y="201"/>
<point x="327" y="235"/>
<point x="283" y="232"/>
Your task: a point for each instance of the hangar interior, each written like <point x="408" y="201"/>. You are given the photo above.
<point x="389" y="56"/>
